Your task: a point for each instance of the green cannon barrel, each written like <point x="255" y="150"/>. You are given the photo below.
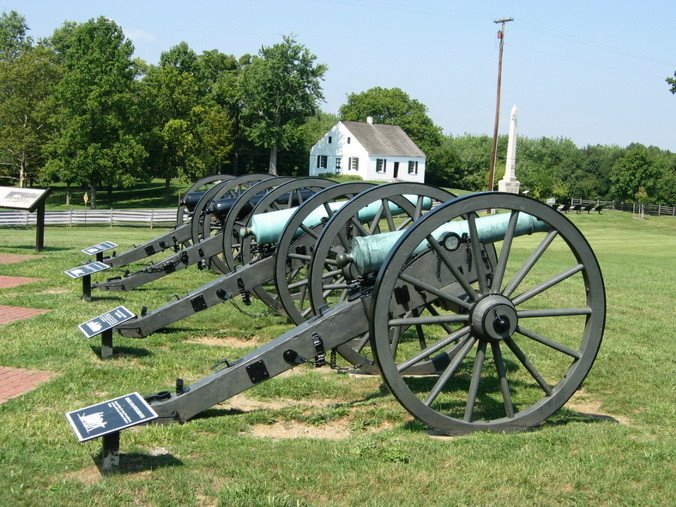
<point x="268" y="227"/>
<point x="369" y="252"/>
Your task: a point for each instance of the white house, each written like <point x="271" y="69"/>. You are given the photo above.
<point x="372" y="151"/>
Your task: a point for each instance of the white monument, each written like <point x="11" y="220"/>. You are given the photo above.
<point x="509" y="183"/>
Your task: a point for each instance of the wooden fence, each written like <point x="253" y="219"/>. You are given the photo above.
<point x="648" y="209"/>
<point x="153" y="217"/>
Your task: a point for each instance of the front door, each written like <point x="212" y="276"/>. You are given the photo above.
<point x="396" y="170"/>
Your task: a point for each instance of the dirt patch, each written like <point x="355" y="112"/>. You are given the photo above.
<point x="88" y="476"/>
<point x="583" y="403"/>
<point x="337" y="430"/>
<point x="226" y="341"/>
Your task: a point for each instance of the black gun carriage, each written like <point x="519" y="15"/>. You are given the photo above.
<point x="486" y="313"/>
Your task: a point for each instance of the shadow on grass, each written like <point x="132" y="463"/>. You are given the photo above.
<point x="105" y="298"/>
<point x="45" y="248"/>
<point x="121" y="351"/>
<point x="135" y="462"/>
<point x="561" y="418"/>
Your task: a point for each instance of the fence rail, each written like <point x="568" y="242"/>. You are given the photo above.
<point x="648" y="209"/>
<point x="153" y="217"/>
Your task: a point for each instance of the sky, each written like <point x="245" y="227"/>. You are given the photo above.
<point x="587" y="70"/>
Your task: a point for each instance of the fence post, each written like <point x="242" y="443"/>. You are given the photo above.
<point x="152" y="216"/>
<point x="111" y="217"/>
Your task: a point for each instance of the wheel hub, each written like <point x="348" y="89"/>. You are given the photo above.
<point x="493" y="318"/>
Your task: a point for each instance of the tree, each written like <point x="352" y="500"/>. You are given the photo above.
<point x="13" y="38"/>
<point x="188" y="133"/>
<point x="27" y="83"/>
<point x="392" y="106"/>
<point x="280" y="89"/>
<point x="636" y="172"/>
<point x="672" y="82"/>
<point x="95" y="140"/>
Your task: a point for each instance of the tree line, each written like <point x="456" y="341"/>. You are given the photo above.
<point x="79" y="109"/>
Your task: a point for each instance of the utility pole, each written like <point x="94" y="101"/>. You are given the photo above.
<point x="494" y="149"/>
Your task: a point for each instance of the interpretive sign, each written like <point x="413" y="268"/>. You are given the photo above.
<point x="22" y="198"/>
<point x="30" y="199"/>
<point x="106" y="321"/>
<point x="110" y="416"/>
<point x="87" y="269"/>
<point x="99" y="248"/>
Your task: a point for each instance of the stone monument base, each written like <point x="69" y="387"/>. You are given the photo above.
<point x="511" y="186"/>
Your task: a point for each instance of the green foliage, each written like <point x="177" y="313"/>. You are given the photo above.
<point x="671" y="81"/>
<point x="392" y="106"/>
<point x="27" y="84"/>
<point x="94" y="141"/>
<point x="13" y="38"/>
<point x="637" y="173"/>
<point x="280" y="89"/>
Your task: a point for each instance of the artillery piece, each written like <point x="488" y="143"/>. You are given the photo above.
<point x="177" y="237"/>
<point x="440" y="300"/>
<point x="254" y="266"/>
<point x="212" y="208"/>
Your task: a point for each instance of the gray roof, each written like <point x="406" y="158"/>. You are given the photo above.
<point x="388" y="140"/>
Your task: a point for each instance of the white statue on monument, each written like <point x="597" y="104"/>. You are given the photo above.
<point x="509" y="183"/>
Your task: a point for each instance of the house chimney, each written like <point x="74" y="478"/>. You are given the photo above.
<point x="369" y="120"/>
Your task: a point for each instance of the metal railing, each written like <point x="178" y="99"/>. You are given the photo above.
<point x="153" y="217"/>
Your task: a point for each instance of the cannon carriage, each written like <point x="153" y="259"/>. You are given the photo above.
<point x="485" y="313"/>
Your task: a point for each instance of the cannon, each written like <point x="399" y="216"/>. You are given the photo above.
<point x="252" y="264"/>
<point x="213" y="206"/>
<point x="176" y="238"/>
<point x="484" y="271"/>
<point x="179" y="235"/>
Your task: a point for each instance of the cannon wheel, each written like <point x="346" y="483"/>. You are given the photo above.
<point x="291" y="191"/>
<point x="203" y="183"/>
<point x="523" y="342"/>
<point x="293" y="254"/>
<point x="237" y="218"/>
<point x="207" y="225"/>
<point x="330" y="284"/>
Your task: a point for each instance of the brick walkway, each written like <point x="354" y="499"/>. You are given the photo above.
<point x="14" y="258"/>
<point x="13" y="313"/>
<point x="16" y="381"/>
<point x="7" y="282"/>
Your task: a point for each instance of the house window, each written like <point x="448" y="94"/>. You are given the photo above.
<point x="330" y="139"/>
<point x="321" y="161"/>
<point x="348" y="140"/>
<point x="381" y="165"/>
<point x="412" y="167"/>
<point x="353" y="163"/>
<point x="338" y="163"/>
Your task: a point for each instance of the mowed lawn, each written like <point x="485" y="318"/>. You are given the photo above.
<point x="316" y="436"/>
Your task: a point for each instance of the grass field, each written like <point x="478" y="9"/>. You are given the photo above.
<point x="317" y="436"/>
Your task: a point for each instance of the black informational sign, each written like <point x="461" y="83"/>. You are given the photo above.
<point x="87" y="269"/>
<point x="110" y="416"/>
<point x="101" y="247"/>
<point x="30" y="199"/>
<point x="22" y="198"/>
<point x="105" y="321"/>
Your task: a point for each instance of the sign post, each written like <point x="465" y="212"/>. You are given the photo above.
<point x="29" y="199"/>
<point x="106" y="419"/>
<point x="104" y="324"/>
<point x="85" y="272"/>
